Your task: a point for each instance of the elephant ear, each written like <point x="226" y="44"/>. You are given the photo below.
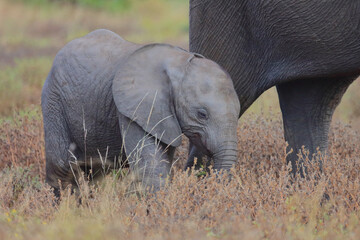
<point x="142" y="90"/>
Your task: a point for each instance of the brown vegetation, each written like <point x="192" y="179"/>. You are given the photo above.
<point x="261" y="202"/>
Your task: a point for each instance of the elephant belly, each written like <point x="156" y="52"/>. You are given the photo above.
<point x="96" y="134"/>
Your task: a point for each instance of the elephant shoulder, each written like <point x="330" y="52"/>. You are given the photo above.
<point x="96" y="44"/>
<point x="100" y="46"/>
<point x="103" y="35"/>
<point x="87" y="56"/>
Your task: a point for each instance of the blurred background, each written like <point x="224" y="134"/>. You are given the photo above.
<point x="33" y="31"/>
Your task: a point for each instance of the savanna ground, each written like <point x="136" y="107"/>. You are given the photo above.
<point x="261" y="201"/>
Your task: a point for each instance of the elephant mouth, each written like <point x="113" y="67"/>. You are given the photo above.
<point x="196" y="139"/>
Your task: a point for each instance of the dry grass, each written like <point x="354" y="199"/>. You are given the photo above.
<point x="259" y="203"/>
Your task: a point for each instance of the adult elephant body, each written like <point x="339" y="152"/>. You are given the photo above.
<point x="309" y="50"/>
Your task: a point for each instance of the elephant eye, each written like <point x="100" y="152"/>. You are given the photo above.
<point x="202" y="114"/>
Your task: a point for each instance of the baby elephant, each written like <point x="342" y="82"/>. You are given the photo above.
<point x="106" y="97"/>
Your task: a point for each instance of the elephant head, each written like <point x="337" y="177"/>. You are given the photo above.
<point x="168" y="91"/>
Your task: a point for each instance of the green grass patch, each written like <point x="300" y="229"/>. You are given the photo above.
<point x="18" y="39"/>
<point x="160" y="21"/>
<point x="108" y="5"/>
<point x="21" y="85"/>
<point x="33" y="71"/>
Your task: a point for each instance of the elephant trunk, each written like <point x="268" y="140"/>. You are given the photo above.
<point x="226" y="156"/>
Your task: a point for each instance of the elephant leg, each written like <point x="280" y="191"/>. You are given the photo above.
<point x="149" y="159"/>
<point x="307" y="107"/>
<point x="194" y="153"/>
<point x="60" y="152"/>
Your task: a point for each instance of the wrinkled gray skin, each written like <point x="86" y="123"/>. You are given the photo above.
<point x="309" y="50"/>
<point x="107" y="96"/>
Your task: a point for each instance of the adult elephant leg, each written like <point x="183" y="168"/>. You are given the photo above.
<point x="307" y="107"/>
<point x="149" y="159"/>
